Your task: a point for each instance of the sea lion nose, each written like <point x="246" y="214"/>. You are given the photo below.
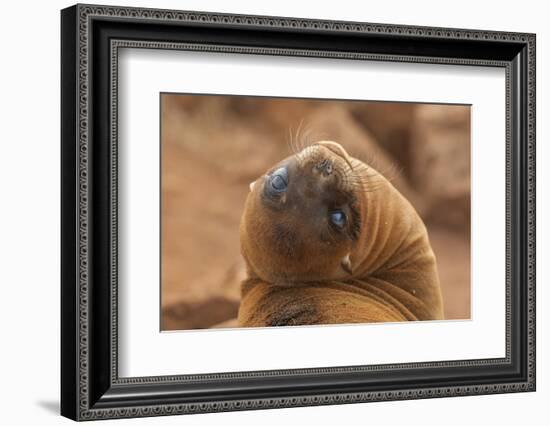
<point x="325" y="166"/>
<point x="337" y="149"/>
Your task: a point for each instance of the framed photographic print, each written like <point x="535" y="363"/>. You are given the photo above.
<point x="263" y="212"/>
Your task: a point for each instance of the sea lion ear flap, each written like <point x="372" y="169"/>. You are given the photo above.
<point x="346" y="264"/>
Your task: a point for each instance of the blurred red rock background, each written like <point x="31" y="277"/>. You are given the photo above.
<point x="214" y="146"/>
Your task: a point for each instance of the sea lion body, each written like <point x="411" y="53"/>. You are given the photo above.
<point x="379" y="267"/>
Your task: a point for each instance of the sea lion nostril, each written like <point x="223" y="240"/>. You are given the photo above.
<point x="325" y="166"/>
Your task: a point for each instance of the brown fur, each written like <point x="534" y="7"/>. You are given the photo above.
<point x="295" y="264"/>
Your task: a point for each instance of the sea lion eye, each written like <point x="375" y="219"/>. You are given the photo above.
<point x="338" y="218"/>
<point x="279" y="180"/>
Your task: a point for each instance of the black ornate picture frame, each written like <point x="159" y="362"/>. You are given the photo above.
<point x="90" y="385"/>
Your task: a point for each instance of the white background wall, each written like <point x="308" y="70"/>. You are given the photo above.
<point x="29" y="211"/>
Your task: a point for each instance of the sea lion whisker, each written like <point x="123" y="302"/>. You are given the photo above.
<point x="367" y="180"/>
<point x="359" y="183"/>
<point x="362" y="168"/>
<point x="304" y="131"/>
<point x="306" y="136"/>
<point x="289" y="142"/>
<point x="296" y="137"/>
<point x="304" y="153"/>
<point x="365" y="189"/>
<point x="295" y="144"/>
<point x="306" y="140"/>
<point x="308" y="150"/>
<point x="297" y="134"/>
<point x="390" y="173"/>
<point x="293" y="141"/>
<point x="305" y="143"/>
<point x="395" y="172"/>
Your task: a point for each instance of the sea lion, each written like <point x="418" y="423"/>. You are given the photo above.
<point x="328" y="240"/>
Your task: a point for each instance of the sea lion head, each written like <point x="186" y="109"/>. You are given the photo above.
<point x="301" y="218"/>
